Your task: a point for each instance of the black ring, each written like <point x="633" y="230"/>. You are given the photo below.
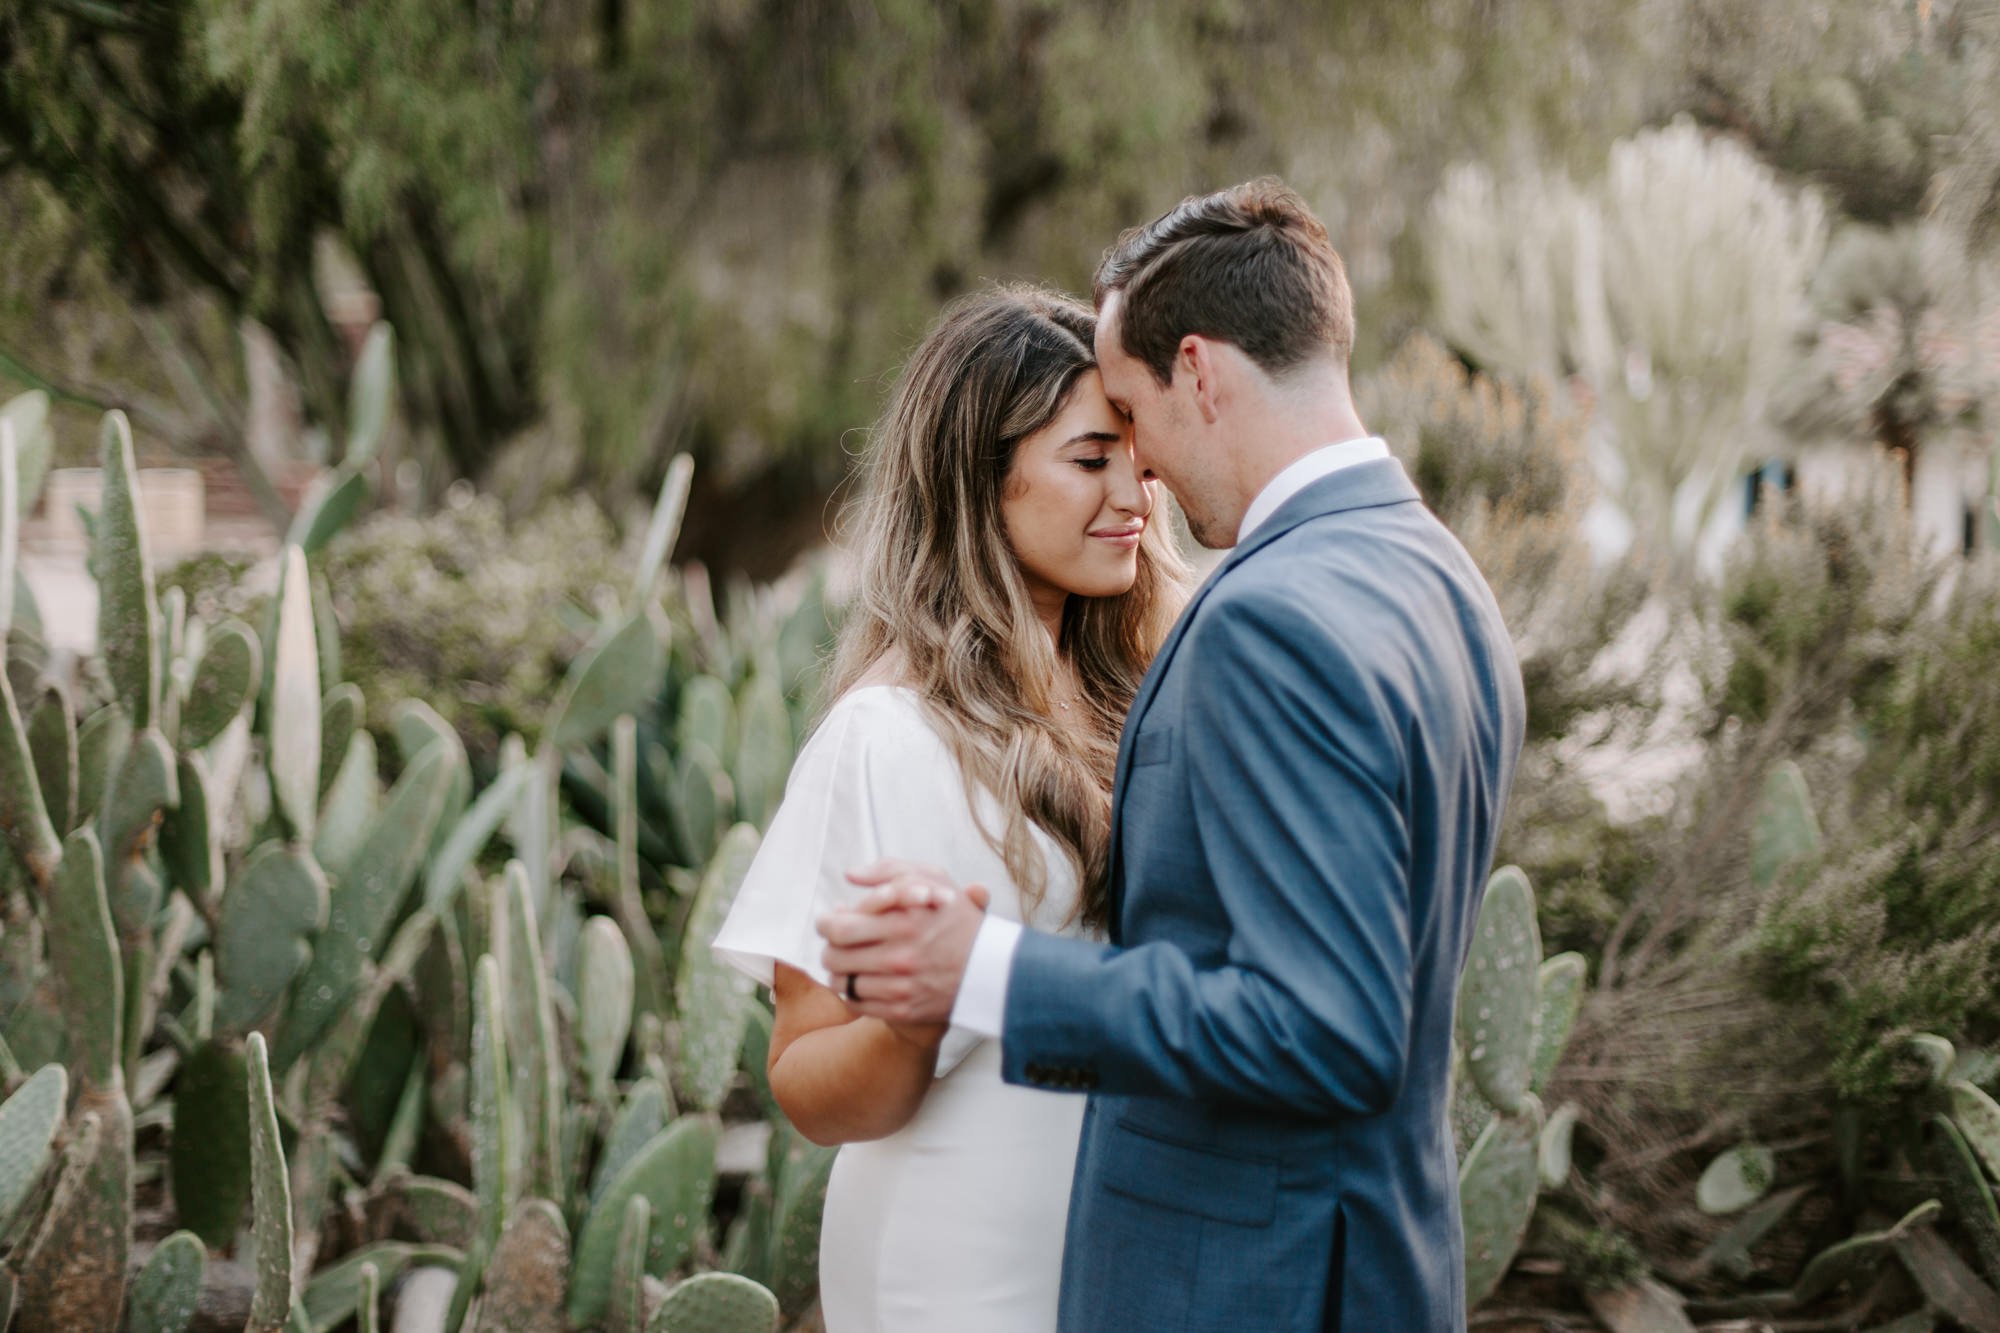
<point x="850" y="989"/>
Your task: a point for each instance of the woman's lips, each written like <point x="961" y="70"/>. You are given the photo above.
<point x="1124" y="539"/>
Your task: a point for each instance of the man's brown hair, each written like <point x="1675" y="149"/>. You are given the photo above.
<point x="1249" y="265"/>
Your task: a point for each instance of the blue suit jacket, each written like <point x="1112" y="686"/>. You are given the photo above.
<point x="1308" y="794"/>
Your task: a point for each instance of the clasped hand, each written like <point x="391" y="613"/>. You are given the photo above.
<point x="899" y="953"/>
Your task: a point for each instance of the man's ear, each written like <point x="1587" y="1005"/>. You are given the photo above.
<point x="1196" y="358"/>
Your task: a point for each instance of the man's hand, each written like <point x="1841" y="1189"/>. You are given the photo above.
<point x="899" y="953"/>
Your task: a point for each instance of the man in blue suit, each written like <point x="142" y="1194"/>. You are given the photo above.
<point x="1308" y="794"/>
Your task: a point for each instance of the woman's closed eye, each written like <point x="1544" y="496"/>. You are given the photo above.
<point x="1092" y="464"/>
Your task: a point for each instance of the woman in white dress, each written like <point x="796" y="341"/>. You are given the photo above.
<point x="1013" y="589"/>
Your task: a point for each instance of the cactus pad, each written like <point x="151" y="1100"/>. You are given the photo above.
<point x="1498" y="995"/>
<point x="1785" y="830"/>
<point x="604" y="1008"/>
<point x="74" y="1274"/>
<point x="271" y="1199"/>
<point x="210" y="1160"/>
<point x="52" y="742"/>
<point x="24" y="815"/>
<point x="712" y="998"/>
<point x="1559" y="998"/>
<point x="531" y="1033"/>
<point x="370" y="395"/>
<point x="716" y="1303"/>
<point x="701" y="797"/>
<point x="84" y="954"/>
<point x="1978" y="1119"/>
<point x="366" y="897"/>
<point x="146" y="784"/>
<point x="529" y="1274"/>
<point x="1497" y="1188"/>
<point x="1553" y="1153"/>
<point x="626" y="1312"/>
<point x="269" y="917"/>
<point x="340" y="714"/>
<point x="28" y="1123"/>
<point x="675" y="1173"/>
<point x="225" y="680"/>
<point x="189" y="836"/>
<point x="795" y="1224"/>
<point x="1968" y="1191"/>
<point x="128" y="614"/>
<point x="707" y="717"/>
<point x="334" y="500"/>
<point x="349" y="807"/>
<point x="334" y="1294"/>
<point x="492" y="1114"/>
<point x="640" y="1118"/>
<point x="1736" y="1179"/>
<point x="764" y="750"/>
<point x="168" y="1289"/>
<point x="292" y="708"/>
<point x="437" y="1212"/>
<point x="618" y="675"/>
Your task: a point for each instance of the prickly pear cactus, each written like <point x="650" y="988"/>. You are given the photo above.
<point x="1736" y="1179"/>
<point x="271" y="1200"/>
<point x="364" y="901"/>
<point x="716" y="1303"/>
<point x="292" y="702"/>
<point x="167" y="1291"/>
<point x="675" y="1173"/>
<point x="713" y="999"/>
<point x="640" y="1118"/>
<point x="1497" y="1188"/>
<point x="28" y="1124"/>
<point x="224" y="683"/>
<point x="531" y="1031"/>
<point x="617" y="676"/>
<point x="210" y="1160"/>
<point x="73" y="1275"/>
<point x="626" y="1312"/>
<point x="604" y="1017"/>
<point x="1786" y="830"/>
<point x="128" y="616"/>
<point x="529" y="1273"/>
<point x="1498" y="995"/>
<point x="764" y="750"/>
<point x="1558" y="1000"/>
<point x="800" y="1204"/>
<point x="707" y="717"/>
<point x="269" y="917"/>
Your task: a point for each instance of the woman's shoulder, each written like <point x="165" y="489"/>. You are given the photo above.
<point x="879" y="719"/>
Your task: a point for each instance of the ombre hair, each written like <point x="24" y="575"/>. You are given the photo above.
<point x="942" y="597"/>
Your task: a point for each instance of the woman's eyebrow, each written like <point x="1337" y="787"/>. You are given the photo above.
<point x="1092" y="437"/>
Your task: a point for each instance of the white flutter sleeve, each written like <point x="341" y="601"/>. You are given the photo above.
<point x="857" y="793"/>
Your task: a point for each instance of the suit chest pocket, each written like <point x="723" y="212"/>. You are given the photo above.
<point x="1155" y="745"/>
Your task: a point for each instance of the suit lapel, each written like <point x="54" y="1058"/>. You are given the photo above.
<point x="1362" y="486"/>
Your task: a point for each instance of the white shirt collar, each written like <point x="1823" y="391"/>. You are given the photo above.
<point x="1303" y="472"/>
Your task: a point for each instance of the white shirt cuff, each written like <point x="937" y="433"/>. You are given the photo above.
<point x="982" y="995"/>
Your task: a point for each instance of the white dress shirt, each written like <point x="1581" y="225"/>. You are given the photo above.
<point x="982" y="993"/>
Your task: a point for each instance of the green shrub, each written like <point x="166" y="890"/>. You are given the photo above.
<point x="476" y="615"/>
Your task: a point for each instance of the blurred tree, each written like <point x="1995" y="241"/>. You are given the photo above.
<point x="1669" y="290"/>
<point x="1904" y="342"/>
<point x="604" y="231"/>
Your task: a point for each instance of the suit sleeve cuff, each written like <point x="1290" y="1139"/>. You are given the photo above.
<point x="982" y="996"/>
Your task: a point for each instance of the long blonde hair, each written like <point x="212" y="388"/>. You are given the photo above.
<point x="942" y="596"/>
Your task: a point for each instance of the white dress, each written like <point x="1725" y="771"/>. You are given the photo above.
<point x="955" y="1222"/>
